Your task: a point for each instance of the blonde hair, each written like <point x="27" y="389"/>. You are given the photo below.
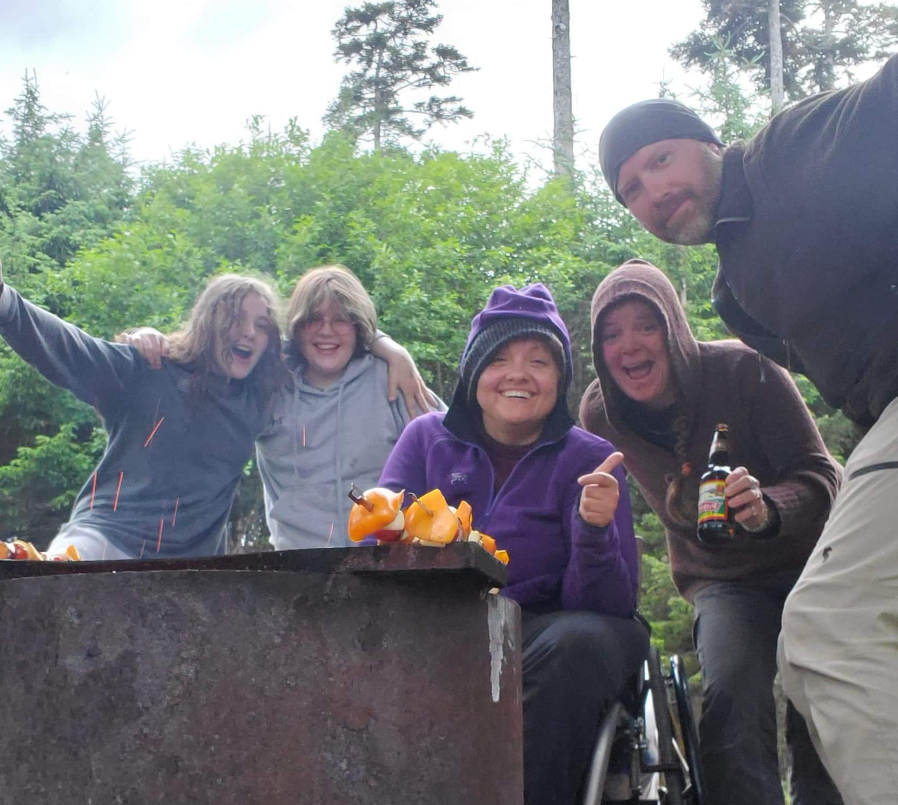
<point x="334" y="283"/>
<point x="214" y="313"/>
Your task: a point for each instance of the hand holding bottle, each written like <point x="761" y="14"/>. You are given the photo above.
<point x="744" y="496"/>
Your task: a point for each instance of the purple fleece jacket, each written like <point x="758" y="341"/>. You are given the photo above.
<point x="557" y="560"/>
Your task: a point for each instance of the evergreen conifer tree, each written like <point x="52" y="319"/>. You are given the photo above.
<point x="388" y="44"/>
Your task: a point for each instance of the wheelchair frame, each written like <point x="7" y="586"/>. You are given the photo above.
<point x="625" y="733"/>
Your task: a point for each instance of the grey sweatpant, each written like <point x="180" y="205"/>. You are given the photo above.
<point x="838" y="652"/>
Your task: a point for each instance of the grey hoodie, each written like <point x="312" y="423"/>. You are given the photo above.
<point x="318" y="443"/>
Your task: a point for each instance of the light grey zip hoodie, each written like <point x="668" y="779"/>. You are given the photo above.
<point x="318" y="443"/>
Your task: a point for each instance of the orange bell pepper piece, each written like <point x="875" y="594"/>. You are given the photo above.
<point x="69" y="555"/>
<point x="488" y="543"/>
<point x="25" y="550"/>
<point x="466" y="517"/>
<point x="377" y="513"/>
<point x="430" y="520"/>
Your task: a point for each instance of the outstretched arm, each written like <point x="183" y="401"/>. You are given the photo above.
<point x="94" y="370"/>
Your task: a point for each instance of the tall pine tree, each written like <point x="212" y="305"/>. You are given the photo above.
<point x="388" y="44"/>
<point x="823" y="41"/>
<point x="743" y="29"/>
<point x="842" y="35"/>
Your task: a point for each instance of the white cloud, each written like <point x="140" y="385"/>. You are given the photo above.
<point x="182" y="71"/>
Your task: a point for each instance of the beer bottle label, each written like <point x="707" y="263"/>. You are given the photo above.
<point x="712" y="504"/>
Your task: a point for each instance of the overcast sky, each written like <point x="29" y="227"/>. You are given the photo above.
<point x="192" y="71"/>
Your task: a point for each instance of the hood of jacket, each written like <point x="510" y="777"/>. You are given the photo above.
<point x="529" y="310"/>
<point x="639" y="279"/>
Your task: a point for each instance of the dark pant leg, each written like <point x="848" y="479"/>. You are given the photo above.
<point x="736" y="628"/>
<point x="809" y="783"/>
<point x="574" y="666"/>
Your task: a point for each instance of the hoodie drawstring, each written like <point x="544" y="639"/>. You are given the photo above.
<point x="341" y="516"/>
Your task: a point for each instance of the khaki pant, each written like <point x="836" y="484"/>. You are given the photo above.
<point x="838" y="651"/>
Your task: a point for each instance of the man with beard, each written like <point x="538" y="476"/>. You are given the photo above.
<point x="805" y="220"/>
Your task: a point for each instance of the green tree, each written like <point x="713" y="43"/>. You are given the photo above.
<point x="388" y="44"/>
<point x="60" y="191"/>
<point x="725" y="99"/>
<point x="842" y="35"/>
<point x="743" y="27"/>
<point x="823" y="41"/>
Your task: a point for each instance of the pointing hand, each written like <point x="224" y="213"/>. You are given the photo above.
<point x="598" y="500"/>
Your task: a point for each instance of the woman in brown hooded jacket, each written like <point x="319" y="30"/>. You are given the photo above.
<point x="658" y="396"/>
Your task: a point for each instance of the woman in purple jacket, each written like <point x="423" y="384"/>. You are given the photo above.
<point x="554" y="497"/>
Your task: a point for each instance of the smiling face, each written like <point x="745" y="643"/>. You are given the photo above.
<point x="518" y="390"/>
<point x="239" y="351"/>
<point x="327" y="340"/>
<point x="634" y="349"/>
<point x="672" y="187"/>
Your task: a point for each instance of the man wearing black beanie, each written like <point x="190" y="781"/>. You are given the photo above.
<point x="805" y="220"/>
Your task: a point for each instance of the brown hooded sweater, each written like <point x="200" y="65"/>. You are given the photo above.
<point x="772" y="434"/>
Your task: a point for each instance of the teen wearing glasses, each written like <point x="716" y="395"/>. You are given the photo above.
<point x="336" y="425"/>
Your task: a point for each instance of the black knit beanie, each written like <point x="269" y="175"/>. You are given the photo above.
<point x="645" y="123"/>
<point x="492" y="338"/>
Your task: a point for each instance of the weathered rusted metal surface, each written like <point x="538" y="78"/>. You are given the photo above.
<point x="241" y="687"/>
<point x="457" y="556"/>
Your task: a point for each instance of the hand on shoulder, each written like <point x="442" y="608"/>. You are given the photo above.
<point x="149" y="342"/>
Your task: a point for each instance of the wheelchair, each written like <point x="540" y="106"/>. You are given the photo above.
<point x="647" y="746"/>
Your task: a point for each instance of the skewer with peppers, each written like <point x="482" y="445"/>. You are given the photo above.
<point x="427" y="520"/>
<point x="19" y="549"/>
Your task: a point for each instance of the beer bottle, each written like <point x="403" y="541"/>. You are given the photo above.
<point x="714" y="526"/>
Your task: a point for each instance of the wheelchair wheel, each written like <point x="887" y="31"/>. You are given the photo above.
<point x="688" y="728"/>
<point x="669" y="760"/>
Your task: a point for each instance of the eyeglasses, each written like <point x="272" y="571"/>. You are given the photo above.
<point x="339" y="324"/>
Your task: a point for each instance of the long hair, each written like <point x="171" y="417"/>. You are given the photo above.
<point x="681" y="511"/>
<point x="321" y="286"/>
<point x="214" y="313"/>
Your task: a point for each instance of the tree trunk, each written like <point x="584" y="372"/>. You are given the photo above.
<point x="828" y="74"/>
<point x="379" y="105"/>
<point x="563" y="139"/>
<point x="776" y="55"/>
<point x="377" y="133"/>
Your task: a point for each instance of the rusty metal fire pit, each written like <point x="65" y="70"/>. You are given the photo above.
<point x="360" y="675"/>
